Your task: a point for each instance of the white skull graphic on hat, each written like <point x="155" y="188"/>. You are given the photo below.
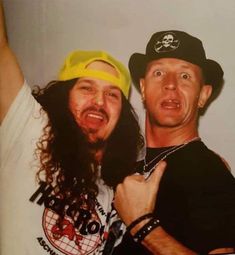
<point x="166" y="42"/>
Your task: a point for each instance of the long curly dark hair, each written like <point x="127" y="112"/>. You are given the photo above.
<point x="65" y="154"/>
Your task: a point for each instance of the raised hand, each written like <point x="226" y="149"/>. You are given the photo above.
<point x="136" y="196"/>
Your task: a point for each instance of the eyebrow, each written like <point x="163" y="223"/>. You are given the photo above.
<point x="186" y="66"/>
<point x="92" y="82"/>
<point x="159" y="64"/>
<point x="114" y="87"/>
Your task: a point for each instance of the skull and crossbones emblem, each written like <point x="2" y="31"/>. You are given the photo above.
<point x="166" y="42"/>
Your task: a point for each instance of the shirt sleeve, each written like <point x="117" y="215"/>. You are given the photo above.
<point x="22" y="121"/>
<point x="212" y="210"/>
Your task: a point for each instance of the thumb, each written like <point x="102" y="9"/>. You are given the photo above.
<point x="156" y="175"/>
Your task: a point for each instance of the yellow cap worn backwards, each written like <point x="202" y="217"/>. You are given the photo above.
<point x="76" y="63"/>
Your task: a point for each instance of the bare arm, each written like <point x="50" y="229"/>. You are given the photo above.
<point x="11" y="77"/>
<point x="140" y="195"/>
<point x="161" y="243"/>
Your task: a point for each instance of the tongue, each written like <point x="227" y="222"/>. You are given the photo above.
<point x="94" y="121"/>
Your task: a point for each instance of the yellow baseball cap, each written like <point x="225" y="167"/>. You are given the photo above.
<point x="76" y="63"/>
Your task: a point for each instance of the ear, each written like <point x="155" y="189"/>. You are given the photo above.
<point x="142" y="89"/>
<point x="205" y="94"/>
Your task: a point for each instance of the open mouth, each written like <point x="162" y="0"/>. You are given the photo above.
<point x="95" y="116"/>
<point x="171" y="104"/>
<point x="94" y="120"/>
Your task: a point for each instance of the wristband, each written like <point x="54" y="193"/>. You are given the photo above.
<point x="145" y="230"/>
<point x="138" y="220"/>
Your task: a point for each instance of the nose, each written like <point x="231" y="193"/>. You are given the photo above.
<point x="170" y="82"/>
<point x="99" y="98"/>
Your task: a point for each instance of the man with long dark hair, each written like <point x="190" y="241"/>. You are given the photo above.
<point x="63" y="152"/>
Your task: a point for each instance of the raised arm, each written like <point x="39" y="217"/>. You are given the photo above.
<point x="11" y="77"/>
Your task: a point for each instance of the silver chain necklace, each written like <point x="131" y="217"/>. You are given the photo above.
<point x="166" y="153"/>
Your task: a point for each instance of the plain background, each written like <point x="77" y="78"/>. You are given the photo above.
<point x="43" y="32"/>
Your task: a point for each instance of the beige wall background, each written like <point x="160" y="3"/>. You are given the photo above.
<point x="42" y="32"/>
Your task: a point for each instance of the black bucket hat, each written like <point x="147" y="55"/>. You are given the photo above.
<point x="180" y="45"/>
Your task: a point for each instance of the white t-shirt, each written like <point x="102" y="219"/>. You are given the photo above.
<point x="28" y="210"/>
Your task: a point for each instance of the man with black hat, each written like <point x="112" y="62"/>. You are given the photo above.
<point x="195" y="205"/>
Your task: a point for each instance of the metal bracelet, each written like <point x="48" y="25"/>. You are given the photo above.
<point x="138" y="220"/>
<point x="145" y="230"/>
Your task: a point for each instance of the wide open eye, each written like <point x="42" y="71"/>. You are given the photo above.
<point x="185" y="76"/>
<point x="158" y="73"/>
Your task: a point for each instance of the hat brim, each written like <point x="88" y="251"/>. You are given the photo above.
<point x="213" y="72"/>
<point x="137" y="66"/>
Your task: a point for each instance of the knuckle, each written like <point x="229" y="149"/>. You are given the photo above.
<point x="118" y="188"/>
